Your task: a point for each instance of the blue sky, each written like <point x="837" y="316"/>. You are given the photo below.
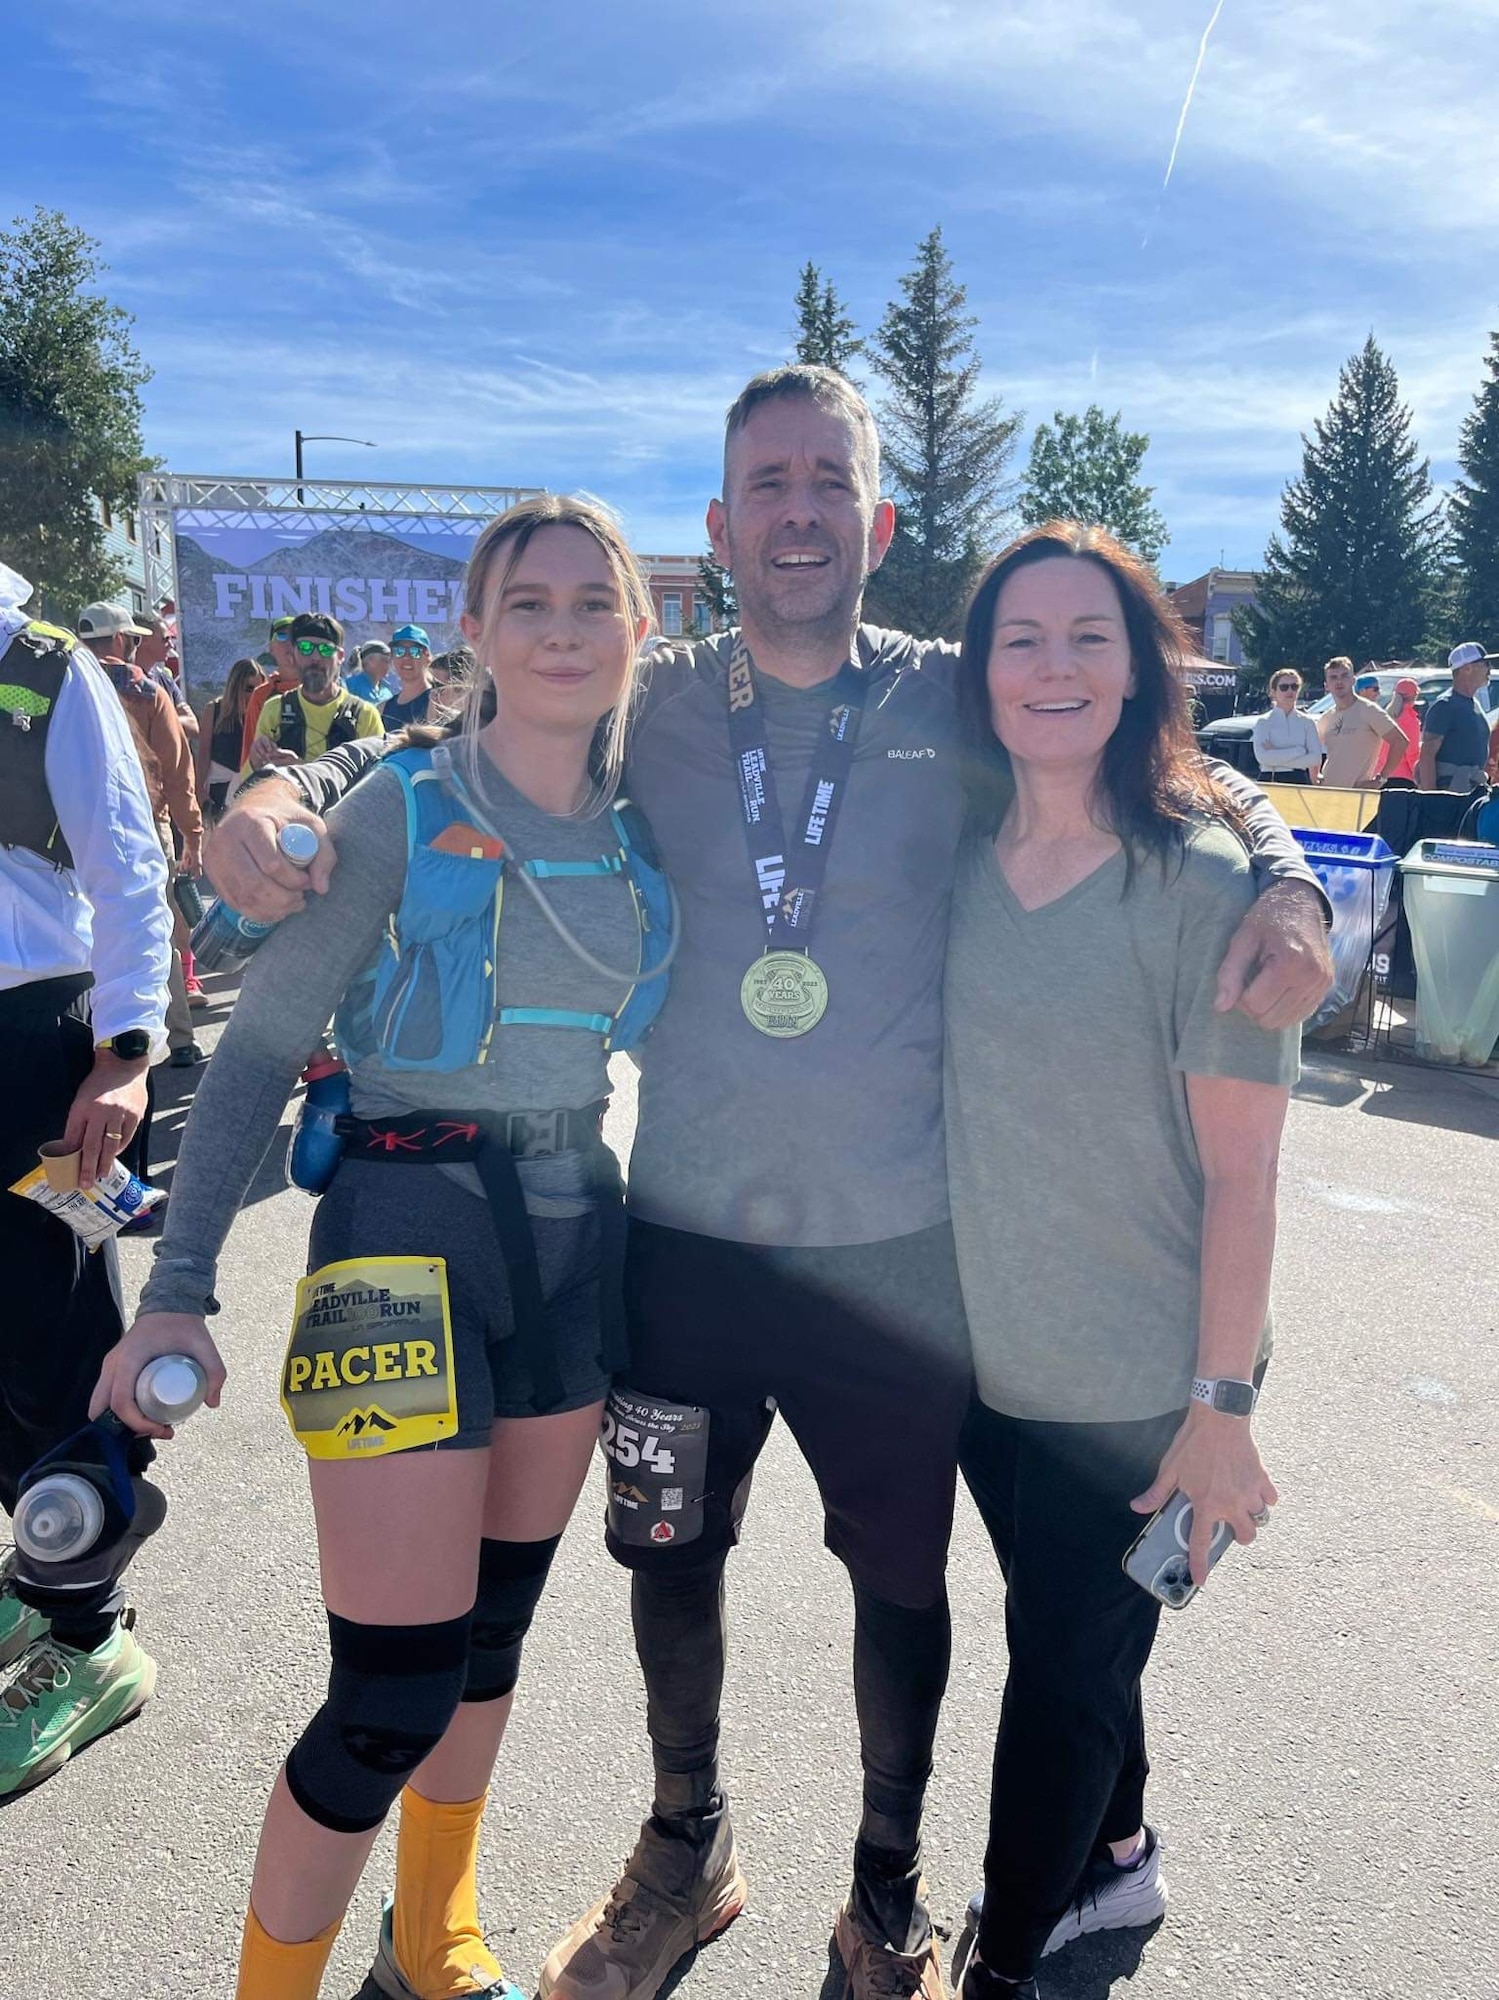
<point x="545" y="244"/>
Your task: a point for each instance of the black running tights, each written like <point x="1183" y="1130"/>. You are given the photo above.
<point x="901" y="1661"/>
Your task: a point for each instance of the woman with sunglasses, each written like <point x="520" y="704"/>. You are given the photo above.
<point x="411" y="663"/>
<point x="307" y="720"/>
<point x="1287" y="747"/>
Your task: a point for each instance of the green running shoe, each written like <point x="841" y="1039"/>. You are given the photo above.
<point x="386" y="1981"/>
<point x="20" y="1626"/>
<point x="58" y="1699"/>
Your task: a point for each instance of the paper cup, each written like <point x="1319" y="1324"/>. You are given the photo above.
<point x="60" y="1165"/>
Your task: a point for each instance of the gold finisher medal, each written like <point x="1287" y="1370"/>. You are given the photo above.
<point x="785" y="993"/>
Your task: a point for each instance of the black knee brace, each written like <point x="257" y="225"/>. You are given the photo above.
<point x="391" y="1695"/>
<point x="512" y="1576"/>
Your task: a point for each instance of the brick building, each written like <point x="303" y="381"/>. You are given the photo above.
<point x="1206" y="607"/>
<point x="677" y="594"/>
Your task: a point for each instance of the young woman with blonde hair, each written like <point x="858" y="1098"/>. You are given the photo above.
<point x="494" y="928"/>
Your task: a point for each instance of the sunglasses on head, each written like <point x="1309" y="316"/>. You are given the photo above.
<point x="408" y="649"/>
<point x="307" y="647"/>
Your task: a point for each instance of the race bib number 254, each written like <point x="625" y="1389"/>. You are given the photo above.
<point x="657" y="1458"/>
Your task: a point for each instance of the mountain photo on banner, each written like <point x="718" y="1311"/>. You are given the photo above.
<point x="233" y="578"/>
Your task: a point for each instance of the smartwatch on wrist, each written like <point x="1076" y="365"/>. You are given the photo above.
<point x="1226" y="1394"/>
<point x="130" y="1045"/>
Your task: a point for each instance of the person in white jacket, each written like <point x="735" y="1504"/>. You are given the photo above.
<point x="1287" y="747"/>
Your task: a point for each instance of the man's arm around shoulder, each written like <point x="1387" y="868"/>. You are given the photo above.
<point x="1278" y="968"/>
<point x="245" y="865"/>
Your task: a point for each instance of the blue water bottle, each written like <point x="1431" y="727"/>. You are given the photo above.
<point x="224" y="934"/>
<point x="316" y="1143"/>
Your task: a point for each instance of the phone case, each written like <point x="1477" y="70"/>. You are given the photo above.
<point x="1157" y="1558"/>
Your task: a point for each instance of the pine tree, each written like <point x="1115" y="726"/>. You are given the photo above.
<point x="70" y="411"/>
<point x="1474" y="510"/>
<point x="945" y="451"/>
<point x="718" y="588"/>
<point x="1359" y="560"/>
<point x="1088" y="469"/>
<point x="825" y="334"/>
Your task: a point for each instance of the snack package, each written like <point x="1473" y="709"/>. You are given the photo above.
<point x="96" y="1213"/>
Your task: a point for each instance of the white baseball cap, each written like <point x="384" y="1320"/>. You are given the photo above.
<point x="102" y="621"/>
<point x="1468" y="655"/>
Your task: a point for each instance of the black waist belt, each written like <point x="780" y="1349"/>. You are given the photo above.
<point x="492" y="1141"/>
<point x="43" y="999"/>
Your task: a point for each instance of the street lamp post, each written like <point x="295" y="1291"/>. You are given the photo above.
<point x="322" y="437"/>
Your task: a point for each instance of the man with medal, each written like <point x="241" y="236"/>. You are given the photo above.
<point x="791" y="1250"/>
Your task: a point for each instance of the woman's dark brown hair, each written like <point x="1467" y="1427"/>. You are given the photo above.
<point x="1152" y="778"/>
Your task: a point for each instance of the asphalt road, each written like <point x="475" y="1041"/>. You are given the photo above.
<point x="1324" y="1722"/>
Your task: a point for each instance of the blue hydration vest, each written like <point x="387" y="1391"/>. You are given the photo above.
<point x="431" y="999"/>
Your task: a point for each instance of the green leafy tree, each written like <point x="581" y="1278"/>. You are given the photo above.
<point x="1474" y="513"/>
<point x="718" y="587"/>
<point x="1088" y="469"/>
<point x="946" y="450"/>
<point x="1358" y="563"/>
<point x="70" y="411"/>
<point x="825" y="335"/>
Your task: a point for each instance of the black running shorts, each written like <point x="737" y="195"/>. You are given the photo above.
<point x="862" y="1348"/>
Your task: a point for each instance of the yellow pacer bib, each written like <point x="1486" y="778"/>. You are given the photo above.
<point x="369" y="1368"/>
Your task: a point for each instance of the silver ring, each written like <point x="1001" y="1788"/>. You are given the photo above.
<point x="1261" y="1519"/>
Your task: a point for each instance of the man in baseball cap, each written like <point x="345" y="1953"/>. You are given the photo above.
<point x="1455" y="733"/>
<point x="103" y="621"/>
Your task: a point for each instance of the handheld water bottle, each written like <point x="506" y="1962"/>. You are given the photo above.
<point x="316" y="1143"/>
<point x="224" y="934"/>
<point x="80" y="1495"/>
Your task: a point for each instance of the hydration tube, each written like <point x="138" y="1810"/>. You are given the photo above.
<point x="442" y="761"/>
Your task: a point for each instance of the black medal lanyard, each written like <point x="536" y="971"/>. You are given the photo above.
<point x="789" y="883"/>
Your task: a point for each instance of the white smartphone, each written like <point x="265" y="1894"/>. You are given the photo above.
<point x="1157" y="1557"/>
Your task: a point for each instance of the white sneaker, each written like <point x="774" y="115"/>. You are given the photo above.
<point x="1108" y="1898"/>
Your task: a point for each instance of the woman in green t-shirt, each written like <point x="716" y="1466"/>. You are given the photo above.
<point x="1112" y="1145"/>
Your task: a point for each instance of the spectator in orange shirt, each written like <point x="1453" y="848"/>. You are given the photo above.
<point x="288" y="675"/>
<point x="1400" y="767"/>
<point x="111" y="634"/>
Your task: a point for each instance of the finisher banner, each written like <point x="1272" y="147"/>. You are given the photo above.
<point x="238" y="570"/>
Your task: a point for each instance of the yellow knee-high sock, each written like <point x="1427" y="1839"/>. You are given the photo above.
<point x="438" y="1939"/>
<point x="270" y="1970"/>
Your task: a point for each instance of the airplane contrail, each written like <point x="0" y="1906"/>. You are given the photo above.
<point x="1181" y="123"/>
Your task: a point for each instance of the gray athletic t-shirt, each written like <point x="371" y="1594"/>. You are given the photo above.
<point x="1077" y="1196"/>
<point x="297" y="977"/>
<point x="835" y="1137"/>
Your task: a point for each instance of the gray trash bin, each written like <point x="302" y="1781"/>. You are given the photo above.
<point x="1452" y="902"/>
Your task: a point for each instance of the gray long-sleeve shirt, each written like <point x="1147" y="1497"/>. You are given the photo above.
<point x="297" y="977"/>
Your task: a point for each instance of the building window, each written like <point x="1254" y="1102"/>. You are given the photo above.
<point x="1223" y="628"/>
<point x="702" y="615"/>
<point x="104" y="514"/>
<point x="671" y="613"/>
<point x="130" y="527"/>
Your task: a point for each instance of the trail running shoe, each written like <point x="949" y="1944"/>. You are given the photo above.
<point x="20" y="1626"/>
<point x="978" y="1983"/>
<point x="1108" y="1898"/>
<point x="59" y="1699"/>
<point x="674" y="1895"/>
<point x="387" y="1981"/>
<point x="875" y="1970"/>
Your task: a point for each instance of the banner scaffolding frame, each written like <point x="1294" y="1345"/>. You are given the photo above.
<point x="163" y="495"/>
